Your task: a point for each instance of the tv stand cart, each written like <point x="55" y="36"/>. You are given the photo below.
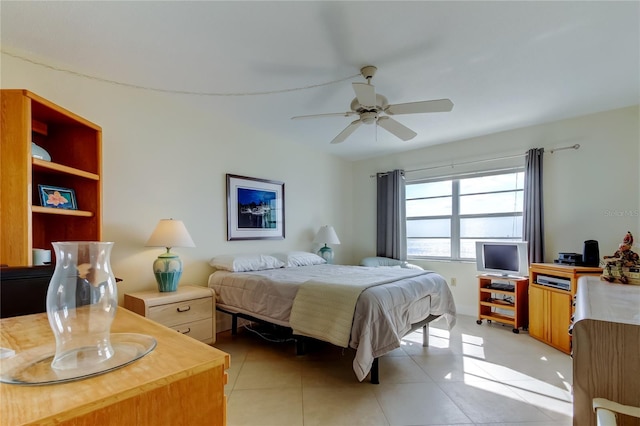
<point x="506" y="306"/>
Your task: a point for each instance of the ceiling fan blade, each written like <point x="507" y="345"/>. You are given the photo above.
<point x="347" y="131"/>
<point x="331" y="114"/>
<point x="439" y="105"/>
<point x="400" y="130"/>
<point x="366" y="94"/>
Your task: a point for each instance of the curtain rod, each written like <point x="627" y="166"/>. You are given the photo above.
<point x="508" y="157"/>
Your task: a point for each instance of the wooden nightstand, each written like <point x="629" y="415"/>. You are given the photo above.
<point x="190" y="310"/>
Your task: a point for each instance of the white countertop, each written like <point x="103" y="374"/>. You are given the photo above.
<point x="601" y="300"/>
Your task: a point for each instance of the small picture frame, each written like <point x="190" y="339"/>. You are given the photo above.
<point x="57" y="197"/>
<point x="255" y="208"/>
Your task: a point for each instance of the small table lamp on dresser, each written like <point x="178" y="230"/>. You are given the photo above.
<point x="168" y="267"/>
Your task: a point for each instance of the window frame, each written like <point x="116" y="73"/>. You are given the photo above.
<point x="455" y="217"/>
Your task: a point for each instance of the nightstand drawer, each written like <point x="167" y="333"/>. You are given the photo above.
<point x="182" y="312"/>
<point x="201" y="330"/>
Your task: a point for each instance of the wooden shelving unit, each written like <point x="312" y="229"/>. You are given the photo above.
<point x="75" y="146"/>
<point x="494" y="304"/>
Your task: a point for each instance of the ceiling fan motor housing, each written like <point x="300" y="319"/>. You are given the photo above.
<point x="381" y="105"/>
<point x="369" y="117"/>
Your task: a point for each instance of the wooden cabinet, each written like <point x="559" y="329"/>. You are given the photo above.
<point x="180" y="382"/>
<point x="76" y="163"/>
<point x="505" y="306"/>
<point x="190" y="310"/>
<point x="550" y="316"/>
<point x="550" y="308"/>
<point x="606" y="344"/>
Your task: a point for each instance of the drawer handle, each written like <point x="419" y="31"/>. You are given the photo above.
<point x="187" y="331"/>
<point x="183" y="308"/>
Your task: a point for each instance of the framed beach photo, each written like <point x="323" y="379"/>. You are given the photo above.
<point x="57" y="197"/>
<point x="255" y="208"/>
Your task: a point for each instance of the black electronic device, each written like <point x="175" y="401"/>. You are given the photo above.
<point x="502" y="286"/>
<point x="591" y="253"/>
<point x="24" y="290"/>
<point x="569" y="259"/>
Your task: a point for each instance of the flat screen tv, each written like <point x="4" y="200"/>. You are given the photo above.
<point x="507" y="259"/>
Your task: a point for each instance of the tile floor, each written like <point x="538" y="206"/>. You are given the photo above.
<point x="473" y="374"/>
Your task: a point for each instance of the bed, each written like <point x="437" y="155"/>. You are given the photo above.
<point x="366" y="308"/>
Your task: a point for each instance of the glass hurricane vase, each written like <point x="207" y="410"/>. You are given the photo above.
<point x="82" y="300"/>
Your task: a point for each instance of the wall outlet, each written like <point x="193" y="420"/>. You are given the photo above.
<point x="454" y="281"/>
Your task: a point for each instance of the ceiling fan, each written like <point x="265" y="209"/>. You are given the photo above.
<point x="372" y="107"/>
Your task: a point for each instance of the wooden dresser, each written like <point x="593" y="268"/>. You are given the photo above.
<point x="180" y="382"/>
<point x="606" y="348"/>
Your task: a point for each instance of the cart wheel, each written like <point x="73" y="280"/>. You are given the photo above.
<point x="479" y="322"/>
<point x="515" y="330"/>
<point x="489" y="321"/>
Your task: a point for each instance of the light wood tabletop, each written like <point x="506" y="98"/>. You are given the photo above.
<point x="180" y="382"/>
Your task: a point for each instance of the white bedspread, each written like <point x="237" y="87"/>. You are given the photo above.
<point x="383" y="315"/>
<point x="324" y="309"/>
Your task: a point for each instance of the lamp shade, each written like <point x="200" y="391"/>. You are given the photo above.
<point x="168" y="267"/>
<point x="326" y="235"/>
<point x="170" y="233"/>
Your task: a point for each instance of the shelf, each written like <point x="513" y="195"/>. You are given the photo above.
<point x="48" y="166"/>
<point x="498" y="305"/>
<point x="506" y="319"/>
<point x="39" y="127"/>
<point x="491" y="290"/>
<point x="64" y="212"/>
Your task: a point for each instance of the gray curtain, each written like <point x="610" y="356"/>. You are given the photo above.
<point x="391" y="215"/>
<point x="533" y="214"/>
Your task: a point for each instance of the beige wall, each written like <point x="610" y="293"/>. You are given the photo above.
<point x="590" y="193"/>
<point x="167" y="156"/>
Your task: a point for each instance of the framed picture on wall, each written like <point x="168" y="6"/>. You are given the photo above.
<point x="255" y="208"/>
<point x="57" y="197"/>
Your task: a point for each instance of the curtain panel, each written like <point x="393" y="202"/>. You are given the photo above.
<point x="533" y="214"/>
<point x="391" y="238"/>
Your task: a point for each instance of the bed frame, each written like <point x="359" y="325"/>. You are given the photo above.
<point x="301" y="340"/>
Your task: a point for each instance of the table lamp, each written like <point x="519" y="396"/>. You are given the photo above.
<point x="326" y="235"/>
<point x="168" y="267"/>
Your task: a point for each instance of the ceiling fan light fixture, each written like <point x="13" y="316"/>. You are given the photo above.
<point x="369" y="117"/>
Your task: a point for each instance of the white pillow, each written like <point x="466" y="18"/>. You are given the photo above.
<point x="299" y="258"/>
<point x="245" y="262"/>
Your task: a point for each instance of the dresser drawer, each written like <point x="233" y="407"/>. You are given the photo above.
<point x="190" y="310"/>
<point x="174" y="314"/>
<point x="201" y="330"/>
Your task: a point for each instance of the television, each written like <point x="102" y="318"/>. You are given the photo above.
<point x="508" y="259"/>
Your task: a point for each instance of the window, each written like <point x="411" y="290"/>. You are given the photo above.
<point x="446" y="217"/>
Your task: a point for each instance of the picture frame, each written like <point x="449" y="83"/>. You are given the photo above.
<point x="255" y="208"/>
<point x="57" y="197"/>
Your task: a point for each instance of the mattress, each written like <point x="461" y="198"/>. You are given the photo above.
<point x="383" y="315"/>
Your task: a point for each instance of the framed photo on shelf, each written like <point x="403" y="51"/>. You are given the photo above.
<point x="255" y="208"/>
<point x="57" y="197"/>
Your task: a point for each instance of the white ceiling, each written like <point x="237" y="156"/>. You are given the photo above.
<point x="503" y="64"/>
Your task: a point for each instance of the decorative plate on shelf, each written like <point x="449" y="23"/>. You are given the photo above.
<point x="39" y="152"/>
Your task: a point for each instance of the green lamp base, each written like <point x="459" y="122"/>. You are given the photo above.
<point x="168" y="269"/>
<point x="326" y="253"/>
